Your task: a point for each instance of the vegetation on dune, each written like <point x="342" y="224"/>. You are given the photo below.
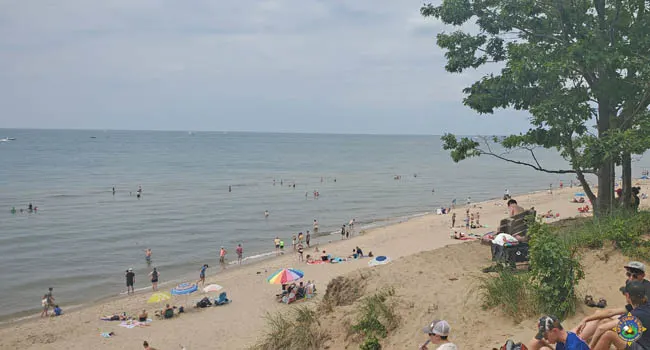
<point x="555" y="271"/>
<point x="296" y="329"/>
<point x="376" y="318"/>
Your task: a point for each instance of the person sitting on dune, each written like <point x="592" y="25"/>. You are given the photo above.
<point x="592" y="327"/>
<point x="550" y="331"/>
<point x="514" y="208"/>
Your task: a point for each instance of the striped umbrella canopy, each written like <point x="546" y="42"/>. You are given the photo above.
<point x="185" y="289"/>
<point x="283" y="276"/>
<point x="158" y="297"/>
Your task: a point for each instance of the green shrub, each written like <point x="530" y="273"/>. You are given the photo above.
<point x="371" y="343"/>
<point x="297" y="329"/>
<point x="555" y="271"/>
<point x="376" y="317"/>
<point x="510" y="292"/>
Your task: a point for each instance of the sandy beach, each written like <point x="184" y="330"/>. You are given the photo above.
<point x="424" y="259"/>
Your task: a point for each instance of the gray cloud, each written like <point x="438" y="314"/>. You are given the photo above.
<point x="299" y="66"/>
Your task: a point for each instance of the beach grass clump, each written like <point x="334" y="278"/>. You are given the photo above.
<point x="297" y="329"/>
<point x="510" y="292"/>
<point x="628" y="231"/>
<point x="342" y="291"/>
<point x="376" y="318"/>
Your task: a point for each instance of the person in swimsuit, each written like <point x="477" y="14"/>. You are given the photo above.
<point x="154" y="279"/>
<point x="300" y="252"/>
<point x="276" y="241"/>
<point x="240" y="253"/>
<point x="282" y="247"/>
<point x="222" y="258"/>
<point x="130" y="281"/>
<point x="307" y="239"/>
<point x="202" y="275"/>
<point x="147" y="255"/>
<point x="315" y="226"/>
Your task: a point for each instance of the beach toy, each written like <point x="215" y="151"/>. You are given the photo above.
<point x="283" y="276"/>
<point x="379" y="260"/>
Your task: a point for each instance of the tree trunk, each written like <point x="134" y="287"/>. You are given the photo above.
<point x="606" y="168"/>
<point x="626" y="164"/>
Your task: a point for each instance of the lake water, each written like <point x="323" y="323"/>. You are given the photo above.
<point x="83" y="238"/>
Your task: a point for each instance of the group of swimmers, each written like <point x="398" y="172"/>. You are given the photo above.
<point x="30" y="209"/>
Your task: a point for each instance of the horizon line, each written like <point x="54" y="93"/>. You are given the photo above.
<point x="234" y="131"/>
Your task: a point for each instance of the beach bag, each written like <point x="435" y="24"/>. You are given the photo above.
<point x="510" y="345"/>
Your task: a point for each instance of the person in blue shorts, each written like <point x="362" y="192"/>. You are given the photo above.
<point x="550" y="331"/>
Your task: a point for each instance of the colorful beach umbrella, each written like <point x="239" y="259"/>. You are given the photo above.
<point x="212" y="288"/>
<point x="158" y="297"/>
<point x="379" y="260"/>
<point x="283" y="276"/>
<point x="185" y="289"/>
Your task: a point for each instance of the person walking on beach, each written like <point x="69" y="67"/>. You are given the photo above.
<point x="222" y="258"/>
<point x="276" y="241"/>
<point x="202" y="275"/>
<point x="478" y="219"/>
<point x="343" y="232"/>
<point x="300" y="237"/>
<point x="315" y="226"/>
<point x="307" y="239"/>
<point x="347" y="232"/>
<point x="240" y="253"/>
<point x="300" y="252"/>
<point x="130" y="281"/>
<point x="45" y="305"/>
<point x="453" y="220"/>
<point x="293" y="242"/>
<point x="154" y="279"/>
<point x="281" y="247"/>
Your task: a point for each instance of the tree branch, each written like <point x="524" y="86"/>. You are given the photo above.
<point x="536" y="167"/>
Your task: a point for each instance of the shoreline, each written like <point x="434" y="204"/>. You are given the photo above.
<point x="256" y="259"/>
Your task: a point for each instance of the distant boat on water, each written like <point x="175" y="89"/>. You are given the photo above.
<point x="190" y="133"/>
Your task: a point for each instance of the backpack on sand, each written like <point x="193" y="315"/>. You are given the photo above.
<point x="510" y="345"/>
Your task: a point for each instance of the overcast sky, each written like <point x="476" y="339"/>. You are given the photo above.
<point x="283" y="66"/>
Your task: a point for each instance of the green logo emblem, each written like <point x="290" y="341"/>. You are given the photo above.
<point x="629" y="328"/>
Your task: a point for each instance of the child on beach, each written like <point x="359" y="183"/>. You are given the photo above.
<point x="240" y="253"/>
<point x="293" y="242"/>
<point x="282" y="247"/>
<point x="45" y="305"/>
<point x="478" y="219"/>
<point x="202" y="274"/>
<point x="222" y="258"/>
<point x="471" y="220"/>
<point x="276" y="241"/>
<point x="300" y="237"/>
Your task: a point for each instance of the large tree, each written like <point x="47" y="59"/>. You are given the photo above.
<point x="580" y="68"/>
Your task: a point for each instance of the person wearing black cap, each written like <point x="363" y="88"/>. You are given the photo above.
<point x="550" y="331"/>
<point x="635" y="294"/>
<point x="595" y="325"/>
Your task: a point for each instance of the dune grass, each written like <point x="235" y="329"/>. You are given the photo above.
<point x="297" y="329"/>
<point x="376" y="318"/>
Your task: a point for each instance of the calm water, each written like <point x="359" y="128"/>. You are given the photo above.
<point x="83" y="238"/>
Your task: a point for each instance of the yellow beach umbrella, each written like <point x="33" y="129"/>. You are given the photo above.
<point x="158" y="297"/>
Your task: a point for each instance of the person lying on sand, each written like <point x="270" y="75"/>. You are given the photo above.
<point x="637" y="306"/>
<point x="147" y="346"/>
<point x="550" y="331"/>
<point x="121" y="317"/>
<point x="595" y="325"/>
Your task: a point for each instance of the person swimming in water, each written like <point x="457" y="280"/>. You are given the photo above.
<point x="147" y="255"/>
<point x="30" y="207"/>
<point x="13" y="210"/>
<point x="139" y="193"/>
<point x="113" y="190"/>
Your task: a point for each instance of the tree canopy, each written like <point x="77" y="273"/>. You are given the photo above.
<point x="580" y="68"/>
